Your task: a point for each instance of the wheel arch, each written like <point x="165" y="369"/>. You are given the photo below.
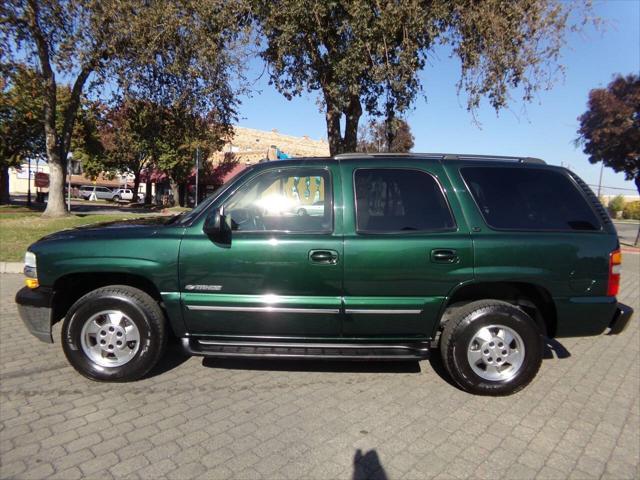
<point x="69" y="288"/>
<point x="534" y="299"/>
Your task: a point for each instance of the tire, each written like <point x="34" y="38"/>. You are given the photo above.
<point x="115" y="198"/>
<point x="302" y="212"/>
<point x="475" y="339"/>
<point x="114" y="314"/>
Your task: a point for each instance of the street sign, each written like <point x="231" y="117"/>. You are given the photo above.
<point x="42" y="180"/>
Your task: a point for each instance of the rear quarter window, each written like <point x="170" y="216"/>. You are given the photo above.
<point x="529" y="199"/>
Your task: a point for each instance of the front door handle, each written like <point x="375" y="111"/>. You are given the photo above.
<point x="323" y="257"/>
<point x="444" y="255"/>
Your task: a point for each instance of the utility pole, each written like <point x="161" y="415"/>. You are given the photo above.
<point x="29" y="183"/>
<point x="197" y="174"/>
<point x="69" y="183"/>
<point x="600" y="181"/>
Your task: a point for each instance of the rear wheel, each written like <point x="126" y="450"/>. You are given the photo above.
<point x="114" y="333"/>
<point x="491" y="347"/>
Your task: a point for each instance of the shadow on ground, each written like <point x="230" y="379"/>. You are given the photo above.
<point x="554" y="349"/>
<point x="173" y="357"/>
<point x="367" y="466"/>
<point x="312" y="365"/>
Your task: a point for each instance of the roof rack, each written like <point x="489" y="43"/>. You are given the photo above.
<point x="445" y="156"/>
<point x="499" y="158"/>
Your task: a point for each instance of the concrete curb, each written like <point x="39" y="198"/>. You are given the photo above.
<point x="11" y="267"/>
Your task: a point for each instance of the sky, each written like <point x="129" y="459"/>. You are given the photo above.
<point x="545" y="128"/>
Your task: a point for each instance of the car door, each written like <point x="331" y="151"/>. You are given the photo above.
<point x="406" y="247"/>
<point x="281" y="273"/>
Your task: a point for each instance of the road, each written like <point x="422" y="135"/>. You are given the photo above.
<point x="627" y="232"/>
<point x="213" y="419"/>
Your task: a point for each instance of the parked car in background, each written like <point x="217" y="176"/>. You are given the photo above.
<point x="473" y="258"/>
<point x="315" y="209"/>
<point x="102" y="193"/>
<point x="125" y="194"/>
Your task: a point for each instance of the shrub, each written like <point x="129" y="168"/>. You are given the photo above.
<point x="616" y="204"/>
<point x="632" y="210"/>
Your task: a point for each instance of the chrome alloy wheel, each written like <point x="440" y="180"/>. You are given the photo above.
<point x="496" y="353"/>
<point x="110" y="338"/>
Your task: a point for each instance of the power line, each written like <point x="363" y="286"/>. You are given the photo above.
<point x="613" y="188"/>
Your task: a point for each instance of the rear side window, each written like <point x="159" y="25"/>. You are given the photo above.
<point x="392" y="200"/>
<point x="529" y="199"/>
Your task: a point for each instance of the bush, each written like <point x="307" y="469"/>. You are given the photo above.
<point x="616" y="204"/>
<point x="632" y="210"/>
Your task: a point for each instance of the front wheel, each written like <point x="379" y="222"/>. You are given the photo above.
<point x="491" y="347"/>
<point x="114" y="333"/>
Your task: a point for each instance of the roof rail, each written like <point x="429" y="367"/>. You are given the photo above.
<point x="386" y="154"/>
<point x="445" y="156"/>
<point x="499" y="158"/>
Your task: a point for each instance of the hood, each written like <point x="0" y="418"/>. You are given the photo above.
<point x="118" y="228"/>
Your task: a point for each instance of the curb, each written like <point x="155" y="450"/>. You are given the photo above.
<point x="11" y="267"/>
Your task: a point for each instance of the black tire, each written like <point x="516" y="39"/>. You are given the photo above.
<point x="462" y="325"/>
<point x="302" y="212"/>
<point x="140" y="308"/>
<point x="116" y="198"/>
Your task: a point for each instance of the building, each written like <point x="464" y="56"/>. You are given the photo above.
<point x="248" y="146"/>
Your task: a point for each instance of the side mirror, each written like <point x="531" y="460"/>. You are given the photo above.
<point x="217" y="228"/>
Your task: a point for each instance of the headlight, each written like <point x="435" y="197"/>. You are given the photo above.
<point x="30" y="270"/>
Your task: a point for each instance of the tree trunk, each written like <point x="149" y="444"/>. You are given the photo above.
<point x="5" y="198"/>
<point x="56" y="206"/>
<point x="180" y="198"/>
<point x="136" y="186"/>
<point x="175" y="189"/>
<point x="353" y="114"/>
<point x="332" y="117"/>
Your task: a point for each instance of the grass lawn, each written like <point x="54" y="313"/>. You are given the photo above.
<point x="20" y="227"/>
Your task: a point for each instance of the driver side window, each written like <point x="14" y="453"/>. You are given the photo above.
<point x="295" y="200"/>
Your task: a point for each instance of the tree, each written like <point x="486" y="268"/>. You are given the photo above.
<point x="21" y="132"/>
<point x="610" y="128"/>
<point x="22" y="121"/>
<point x="366" y="56"/>
<point x="129" y="133"/>
<point x="374" y="137"/>
<point x="184" y="133"/>
<point x="616" y="204"/>
<point x="177" y="51"/>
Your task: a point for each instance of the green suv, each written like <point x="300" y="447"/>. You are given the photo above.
<point x="357" y="257"/>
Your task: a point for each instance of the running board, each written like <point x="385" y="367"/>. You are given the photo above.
<point x="310" y="350"/>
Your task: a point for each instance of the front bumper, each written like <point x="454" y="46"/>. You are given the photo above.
<point x="620" y="319"/>
<point x="34" y="307"/>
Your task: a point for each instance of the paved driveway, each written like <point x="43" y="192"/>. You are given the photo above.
<point x="213" y="419"/>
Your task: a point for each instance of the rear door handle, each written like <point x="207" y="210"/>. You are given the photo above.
<point x="323" y="257"/>
<point x="444" y="255"/>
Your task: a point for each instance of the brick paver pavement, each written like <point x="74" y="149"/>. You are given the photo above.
<point x="265" y="419"/>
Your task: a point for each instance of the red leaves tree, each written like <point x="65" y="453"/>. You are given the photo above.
<point x="610" y="128"/>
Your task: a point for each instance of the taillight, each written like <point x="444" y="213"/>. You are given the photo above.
<point x="615" y="265"/>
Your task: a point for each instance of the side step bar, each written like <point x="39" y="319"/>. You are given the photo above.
<point x="310" y="350"/>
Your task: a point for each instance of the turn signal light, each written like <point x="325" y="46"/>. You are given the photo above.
<point x="615" y="265"/>
<point x="31" y="282"/>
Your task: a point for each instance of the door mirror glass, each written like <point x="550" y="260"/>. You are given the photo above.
<point x="217" y="228"/>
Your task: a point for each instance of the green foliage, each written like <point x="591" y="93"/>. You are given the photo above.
<point x="176" y="52"/>
<point x="393" y="136"/>
<point x="21" y="129"/>
<point x="22" y="118"/>
<point x="616" y="204"/>
<point x="632" y="210"/>
<point x="610" y="128"/>
<point x="366" y="56"/>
